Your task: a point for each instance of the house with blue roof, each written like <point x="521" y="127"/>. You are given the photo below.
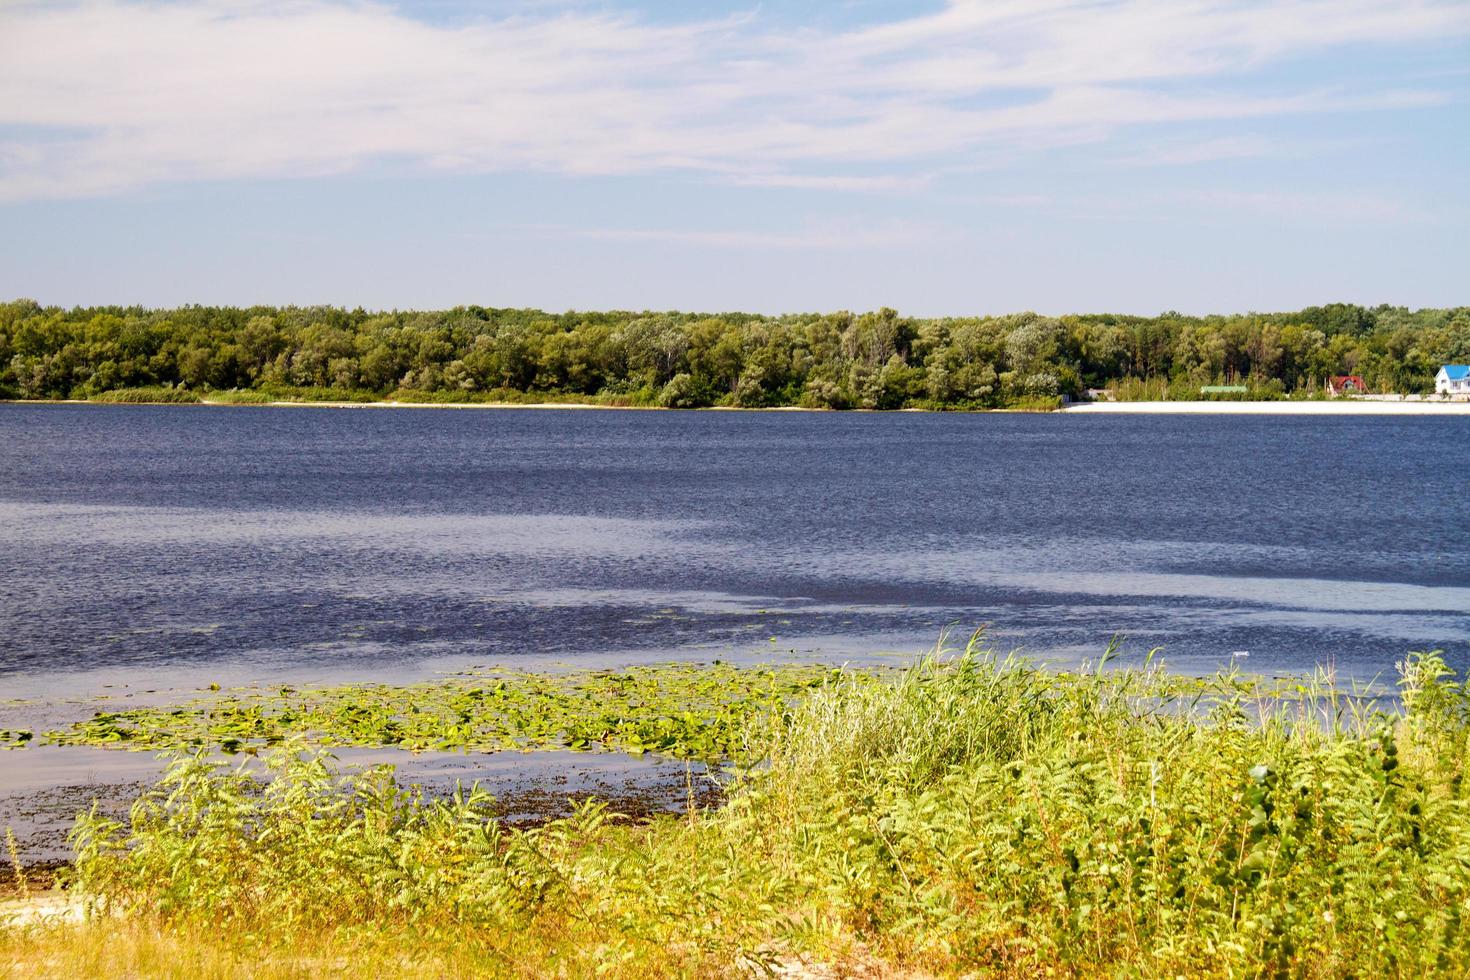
<point x="1453" y="379"/>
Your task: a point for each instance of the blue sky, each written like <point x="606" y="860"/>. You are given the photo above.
<point x="974" y="156"/>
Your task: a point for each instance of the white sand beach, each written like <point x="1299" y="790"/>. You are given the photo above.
<point x="1354" y="406"/>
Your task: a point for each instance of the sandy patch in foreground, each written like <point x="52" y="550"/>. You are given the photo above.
<point x="46" y="908"/>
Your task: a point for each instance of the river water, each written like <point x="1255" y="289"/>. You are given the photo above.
<point x="166" y="545"/>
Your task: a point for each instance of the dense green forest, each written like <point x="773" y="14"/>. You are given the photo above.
<point x="838" y="360"/>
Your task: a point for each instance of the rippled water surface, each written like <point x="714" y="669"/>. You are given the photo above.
<point x="167" y="541"/>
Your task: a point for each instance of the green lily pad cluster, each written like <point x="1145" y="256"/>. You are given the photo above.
<point x="699" y="711"/>
<point x="15" y="738"/>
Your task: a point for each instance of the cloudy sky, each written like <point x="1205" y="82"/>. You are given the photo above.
<point x="957" y="156"/>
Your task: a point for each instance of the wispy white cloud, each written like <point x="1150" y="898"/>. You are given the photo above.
<point x="1333" y="207"/>
<point x="1265" y="206"/>
<point x="1185" y="152"/>
<point x="840" y="236"/>
<point x="105" y="95"/>
<point x="832" y="182"/>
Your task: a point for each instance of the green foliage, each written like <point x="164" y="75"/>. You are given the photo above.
<point x="971" y="815"/>
<point x="877" y="360"/>
<point x="682" y="391"/>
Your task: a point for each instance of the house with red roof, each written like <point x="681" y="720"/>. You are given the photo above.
<point x="1346" y="384"/>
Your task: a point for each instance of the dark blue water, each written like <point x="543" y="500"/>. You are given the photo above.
<point x="264" y="540"/>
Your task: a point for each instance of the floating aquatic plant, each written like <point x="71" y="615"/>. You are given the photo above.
<point x="683" y="710"/>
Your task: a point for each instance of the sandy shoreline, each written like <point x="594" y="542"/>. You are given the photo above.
<point x="1335" y="407"/>
<point x="208" y="403"/>
<point x="529" y="405"/>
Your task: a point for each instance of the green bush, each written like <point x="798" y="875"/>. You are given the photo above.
<point x="683" y="391"/>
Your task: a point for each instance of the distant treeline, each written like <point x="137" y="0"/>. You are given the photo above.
<point x="838" y="360"/>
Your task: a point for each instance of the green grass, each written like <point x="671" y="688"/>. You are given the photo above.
<point x="971" y="815"/>
<point x="240" y="396"/>
<point x="148" y="396"/>
<point x="1035" y="403"/>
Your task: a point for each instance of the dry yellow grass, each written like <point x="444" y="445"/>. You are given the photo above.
<point x="137" y="947"/>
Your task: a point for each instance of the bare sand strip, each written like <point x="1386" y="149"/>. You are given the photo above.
<point x="1343" y="406"/>
<point x="226" y="403"/>
<point x="1363" y="406"/>
<point x="528" y="405"/>
<point x="455" y="405"/>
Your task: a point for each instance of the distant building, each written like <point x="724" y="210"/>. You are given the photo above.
<point x="1453" y="379"/>
<point x="1346" y="384"/>
<point x="1223" y="390"/>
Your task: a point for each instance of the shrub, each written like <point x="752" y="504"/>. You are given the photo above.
<point x="683" y="391"/>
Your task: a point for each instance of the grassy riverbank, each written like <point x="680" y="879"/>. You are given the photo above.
<point x="969" y="814"/>
<point x="329" y="398"/>
<point x="1195" y="405"/>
